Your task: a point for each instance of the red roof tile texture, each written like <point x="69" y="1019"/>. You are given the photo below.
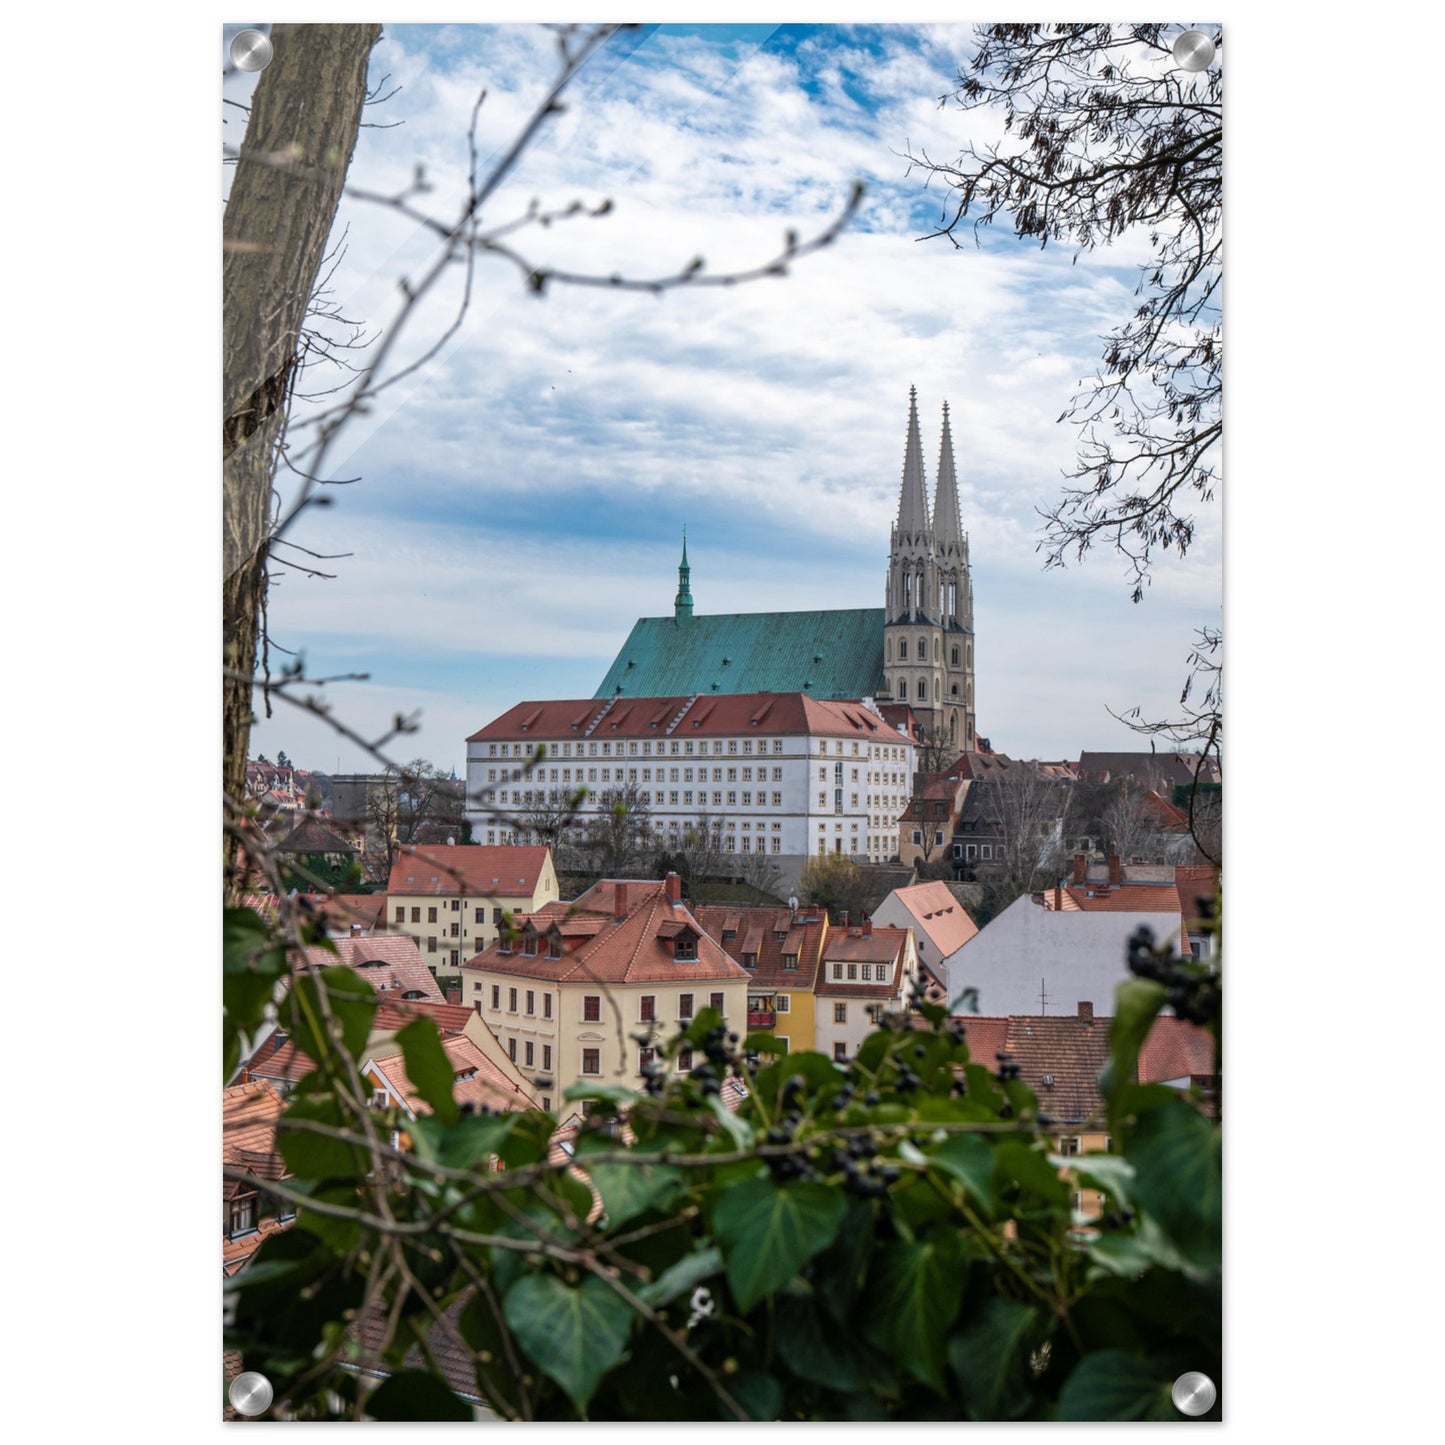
<point x="1124" y="897"/>
<point x="447" y="870"/>
<point x="768" y="936"/>
<point x="638" y="948"/>
<point x="388" y="961"/>
<point x="939" y="914"/>
<point x="478" y="1080"/>
<point x="710" y="715"/>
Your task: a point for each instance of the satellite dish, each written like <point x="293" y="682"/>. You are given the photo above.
<point x="793" y="902"/>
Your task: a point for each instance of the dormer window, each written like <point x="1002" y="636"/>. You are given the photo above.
<point x="529" y="943"/>
<point x="750" y="960"/>
<point x="554" y="945"/>
<point x="684" y="947"/>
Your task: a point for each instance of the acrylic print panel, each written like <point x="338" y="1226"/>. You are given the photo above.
<point x="714" y="542"/>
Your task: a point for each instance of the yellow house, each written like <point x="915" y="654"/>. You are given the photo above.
<point x="451" y="897"/>
<point x="779" y="950"/>
<point x="587" y="991"/>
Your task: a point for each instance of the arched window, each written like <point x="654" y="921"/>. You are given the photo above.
<point x="937" y="649"/>
<point x="922" y="689"/>
<point x="922" y="648"/>
<point x="953" y="657"/>
<point x="954" y="690"/>
<point x="952" y="597"/>
<point x="903" y="649"/>
<point x="907" y="591"/>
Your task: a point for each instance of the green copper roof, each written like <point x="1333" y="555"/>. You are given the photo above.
<point x="825" y="654"/>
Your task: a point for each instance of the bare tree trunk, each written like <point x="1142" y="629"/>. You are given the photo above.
<point x="289" y="173"/>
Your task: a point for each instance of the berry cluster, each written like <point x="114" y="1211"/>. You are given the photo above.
<point x="1193" y="989"/>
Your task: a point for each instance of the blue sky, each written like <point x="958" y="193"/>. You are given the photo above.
<point x="522" y="501"/>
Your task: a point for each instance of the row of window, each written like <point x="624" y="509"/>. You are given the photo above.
<point x="872" y="972"/>
<point x="679" y="747"/>
<point x="431" y="914"/>
<point x="512" y="998"/>
<point x="592" y="1004"/>
<point x="921" y="652"/>
<point x="676" y="747"/>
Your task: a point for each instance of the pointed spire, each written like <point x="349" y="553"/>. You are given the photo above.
<point x="946" y="525"/>
<point x="912" y="501"/>
<point x="682" y="603"/>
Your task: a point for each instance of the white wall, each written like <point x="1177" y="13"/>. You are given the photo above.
<point x="1078" y="956"/>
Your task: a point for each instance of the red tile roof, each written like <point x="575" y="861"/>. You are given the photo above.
<point x="395" y="1013"/>
<point x="767" y="934"/>
<point x="1124" y="897"/>
<point x="1194" y="881"/>
<point x="445" y="870"/>
<point x="248" y="1128"/>
<point x="939" y="914"/>
<point x="637" y="949"/>
<point x="478" y="1080"/>
<point x="707" y="715"/>
<point x="236" y="1253"/>
<point x="1175" y="1049"/>
<point x="1072" y="1050"/>
<point x="388" y="961"/>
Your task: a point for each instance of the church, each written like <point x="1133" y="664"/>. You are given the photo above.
<point x="916" y="649"/>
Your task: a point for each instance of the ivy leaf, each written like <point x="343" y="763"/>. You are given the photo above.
<point x="352" y="1004"/>
<point x="573" y="1335"/>
<point x="990" y="1358"/>
<point x="429" y="1068"/>
<point x="768" y="1232"/>
<point x="914" y="1291"/>
<point x="631" y="1189"/>
<point x="1178" y="1180"/>
<point x="681" y="1278"/>
<point x="1110" y="1385"/>
<point x="967" y="1158"/>
<point x="1136" y="1005"/>
<point x="415" y="1395"/>
<point x="759" y="1394"/>
<point x="738" y="1130"/>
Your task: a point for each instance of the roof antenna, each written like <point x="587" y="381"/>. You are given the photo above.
<point x="1043" y="998"/>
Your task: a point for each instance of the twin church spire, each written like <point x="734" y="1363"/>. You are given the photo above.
<point x="928" y="630"/>
<point x="915" y="519"/>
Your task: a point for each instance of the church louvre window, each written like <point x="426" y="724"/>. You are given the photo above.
<point x="954" y="658"/>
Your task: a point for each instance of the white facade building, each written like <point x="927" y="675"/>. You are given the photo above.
<point x="784" y="774"/>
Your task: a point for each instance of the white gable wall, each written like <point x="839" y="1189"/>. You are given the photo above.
<point x="1078" y="957"/>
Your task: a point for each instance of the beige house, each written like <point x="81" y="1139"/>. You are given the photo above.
<point x="570" y="995"/>
<point x="451" y="897"/>
<point x="865" y="972"/>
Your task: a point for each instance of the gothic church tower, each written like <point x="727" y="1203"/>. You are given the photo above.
<point x="928" y="633"/>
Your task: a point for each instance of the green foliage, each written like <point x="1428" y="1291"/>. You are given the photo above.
<point x="891" y="1239"/>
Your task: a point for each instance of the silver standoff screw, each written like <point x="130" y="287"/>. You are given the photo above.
<point x="251" y="50"/>
<point x="1193" y="50"/>
<point x="1193" y="1393"/>
<point x="251" y="1393"/>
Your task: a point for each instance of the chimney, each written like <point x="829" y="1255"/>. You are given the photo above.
<point x="1058" y="899"/>
<point x="1116" y="870"/>
<point x="867" y="928"/>
<point x="1081" y="869"/>
<point x="356" y="930"/>
<point x="454" y="995"/>
<point x="619" y="901"/>
<point x="1086" y="1009"/>
<point x="673" y="884"/>
<point x="845" y="918"/>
